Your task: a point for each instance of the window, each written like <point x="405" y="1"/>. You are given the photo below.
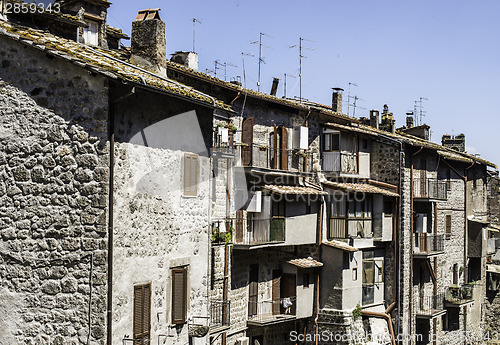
<point x="388" y="208"/>
<point x="331" y="142"/>
<point x="142" y="314"/>
<point x="91" y="33"/>
<point x="361" y="209"/>
<point x="179" y="295"/>
<point x="190" y="174"/>
<point x="305" y="280"/>
<point x="355" y="274"/>
<point x="278" y="209"/>
<point x="448" y="226"/>
<point x="337" y="209"/>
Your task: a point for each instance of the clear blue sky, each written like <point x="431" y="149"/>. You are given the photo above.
<point x="447" y="51"/>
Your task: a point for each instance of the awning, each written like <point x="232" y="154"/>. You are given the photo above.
<point x="359" y="187"/>
<point x="293" y="190"/>
<point x="495" y="269"/>
<point x="340" y="245"/>
<point x="305" y="263"/>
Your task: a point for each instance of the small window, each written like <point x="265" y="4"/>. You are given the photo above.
<point x="305" y="280"/>
<point x="190" y="174"/>
<point x="91" y="33"/>
<point x="448" y="226"/>
<point x="179" y="295"/>
<point x="368" y="272"/>
<point x="331" y="142"/>
<point x="142" y="313"/>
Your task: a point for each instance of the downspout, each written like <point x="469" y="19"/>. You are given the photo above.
<point x="411" y="242"/>
<point x="385" y="317"/>
<point x="111" y="138"/>
<point x="466" y="241"/>
<point x="319" y="240"/>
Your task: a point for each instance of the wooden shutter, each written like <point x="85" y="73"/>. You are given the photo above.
<point x="179" y="295"/>
<point x="423" y="178"/>
<point x="253" y="289"/>
<point x="276" y="293"/>
<point x="247" y="141"/>
<point x="239" y="226"/>
<point x="190" y="174"/>
<point x="274" y="158"/>
<point x="448" y="226"/>
<point x="142" y="314"/>
<point x="284" y="148"/>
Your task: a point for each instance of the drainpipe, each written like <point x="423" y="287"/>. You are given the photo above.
<point x="319" y="240"/>
<point x="466" y="241"/>
<point x="384" y="316"/>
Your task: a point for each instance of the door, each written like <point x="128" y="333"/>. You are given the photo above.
<point x="280" y="148"/>
<point x="277" y="291"/>
<point x="288" y="293"/>
<point x="253" y="289"/>
<point x="247" y="141"/>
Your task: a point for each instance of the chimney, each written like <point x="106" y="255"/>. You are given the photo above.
<point x="409" y="120"/>
<point x="374" y="118"/>
<point x="187" y="59"/>
<point x="274" y="88"/>
<point x="149" y="44"/>
<point x="337" y="99"/>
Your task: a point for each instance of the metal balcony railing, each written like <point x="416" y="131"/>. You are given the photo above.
<point x="256" y="231"/>
<point x="219" y="313"/>
<point x="264" y="156"/>
<point x="430" y="305"/>
<point x="459" y="294"/>
<point x="428" y="244"/>
<point x="273" y="309"/>
<point x="429" y="189"/>
<point x="341" y="162"/>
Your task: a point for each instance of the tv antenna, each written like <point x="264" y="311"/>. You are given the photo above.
<point x="194" y="30"/>
<point x="261" y="59"/>
<point x="244" y="73"/>
<point x="419" y="109"/>
<point x="223" y="65"/>
<point x="354" y="104"/>
<point x="289" y="76"/>
<point x="349" y="96"/>
<point x="300" y="61"/>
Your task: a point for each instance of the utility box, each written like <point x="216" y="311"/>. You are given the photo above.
<point x="301" y="138"/>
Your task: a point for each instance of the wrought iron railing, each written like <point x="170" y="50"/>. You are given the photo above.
<point x="429" y="188"/>
<point x="220" y="313"/>
<point x="460" y="294"/>
<point x="265" y="156"/>
<point x="273" y="309"/>
<point x="429" y="305"/>
<point x="428" y="244"/>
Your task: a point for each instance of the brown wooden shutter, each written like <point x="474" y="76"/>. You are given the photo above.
<point x="423" y="178"/>
<point x="247" y="141"/>
<point x="142" y="314"/>
<point x="239" y="226"/>
<point x="190" y="174"/>
<point x="179" y="295"/>
<point x="276" y="293"/>
<point x="274" y="158"/>
<point x="448" y="226"/>
<point x="284" y="148"/>
<point x="253" y="289"/>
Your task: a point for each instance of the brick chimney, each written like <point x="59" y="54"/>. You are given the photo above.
<point x="337" y="99"/>
<point x="409" y="120"/>
<point x="274" y="88"/>
<point x="149" y="45"/>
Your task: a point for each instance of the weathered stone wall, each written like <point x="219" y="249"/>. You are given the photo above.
<point x="385" y="162"/>
<point x="53" y="200"/>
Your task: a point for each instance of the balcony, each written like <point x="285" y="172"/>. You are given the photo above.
<point x="427" y="245"/>
<point x="219" y="314"/>
<point x="428" y="307"/>
<point x="256" y="232"/>
<point x="457" y="296"/>
<point x="265" y="157"/>
<point x="429" y="189"/>
<point x="273" y="311"/>
<point x="341" y="162"/>
<point x="341" y="228"/>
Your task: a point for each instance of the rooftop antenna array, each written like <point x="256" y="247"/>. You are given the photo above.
<point x="301" y="39"/>
<point x="418" y="110"/>
<point x="194" y="31"/>
<point x="261" y="59"/>
<point x="354" y="104"/>
<point x="349" y="96"/>
<point x="284" y="86"/>
<point x="244" y="73"/>
<point x="223" y="66"/>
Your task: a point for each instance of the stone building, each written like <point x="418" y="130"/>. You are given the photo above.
<point x="144" y="202"/>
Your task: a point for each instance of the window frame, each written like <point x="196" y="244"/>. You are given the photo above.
<point x="90" y="37"/>
<point x="328" y="143"/>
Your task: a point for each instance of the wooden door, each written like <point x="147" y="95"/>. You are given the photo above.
<point x="289" y="290"/>
<point x="276" y="291"/>
<point x="247" y="141"/>
<point x="253" y="289"/>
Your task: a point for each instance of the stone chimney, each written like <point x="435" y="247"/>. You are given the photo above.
<point x="187" y="59"/>
<point x="149" y="45"/>
<point x="409" y="120"/>
<point x="337" y="99"/>
<point x="274" y="88"/>
<point x="374" y="118"/>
